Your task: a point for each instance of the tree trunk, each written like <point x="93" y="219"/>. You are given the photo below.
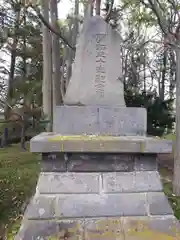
<point x="57" y="96"/>
<point x="98" y="7"/>
<point x="7" y="108"/>
<point x="47" y="68"/>
<point x="162" y="90"/>
<point x="176" y="180"/>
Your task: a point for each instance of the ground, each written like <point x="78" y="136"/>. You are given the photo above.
<point x="18" y="176"/>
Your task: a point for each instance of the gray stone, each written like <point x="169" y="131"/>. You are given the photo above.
<point x="76" y="120"/>
<point x="40" y="207"/>
<point x="119" y="182"/>
<point x="100" y="120"/>
<point x="71" y="229"/>
<point x="53" y="162"/>
<point x="34" y="230"/>
<point x="53" y="183"/>
<point x="148" y="181"/>
<point x="100" y="163"/>
<point x="101" y="205"/>
<point x="132" y="182"/>
<point x="95" y="79"/>
<point x="144" y="228"/>
<point x="158" y="204"/>
<point x="123" y="121"/>
<point x="104" y="228"/>
<point x="51" y="142"/>
<point x="146" y="162"/>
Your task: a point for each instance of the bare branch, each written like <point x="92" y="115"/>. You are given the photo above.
<point x="58" y="33"/>
<point x="160" y="18"/>
<point x="109" y="11"/>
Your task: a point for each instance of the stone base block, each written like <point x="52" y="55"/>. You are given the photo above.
<point x="109" y="228"/>
<point x="51" y="142"/>
<point x="117" y="121"/>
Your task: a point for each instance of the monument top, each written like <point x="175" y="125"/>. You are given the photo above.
<point x="97" y="68"/>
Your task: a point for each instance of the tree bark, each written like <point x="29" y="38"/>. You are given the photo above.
<point x="176" y="180"/>
<point x="98" y="7"/>
<point x="47" y="68"/>
<point x="57" y="96"/>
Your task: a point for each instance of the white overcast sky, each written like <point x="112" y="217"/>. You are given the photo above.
<point x="63" y="8"/>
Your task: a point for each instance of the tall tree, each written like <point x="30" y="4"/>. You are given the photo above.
<point x="47" y="67"/>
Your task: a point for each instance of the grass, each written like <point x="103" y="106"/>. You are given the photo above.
<point x="166" y="177"/>
<point x="18" y="175"/>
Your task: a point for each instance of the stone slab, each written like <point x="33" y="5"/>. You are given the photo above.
<point x="123" y="121"/>
<point x="151" y="228"/>
<point x="53" y="162"/>
<point x="41" y="207"/>
<point x="100" y="163"/>
<point x="95" y="78"/>
<point x="51" y="230"/>
<point x="31" y="230"/>
<point x="132" y="182"/>
<point x="146" y="162"/>
<point x="53" y="183"/>
<point x="101" y="205"/>
<point x="158" y="204"/>
<point x="117" y="121"/>
<point x="104" y="229"/>
<point x="51" y="142"/>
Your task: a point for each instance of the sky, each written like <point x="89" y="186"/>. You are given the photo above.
<point x="63" y="8"/>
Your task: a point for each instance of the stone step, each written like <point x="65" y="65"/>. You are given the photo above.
<point x="121" y="228"/>
<point x="98" y="205"/>
<point x="85" y="183"/>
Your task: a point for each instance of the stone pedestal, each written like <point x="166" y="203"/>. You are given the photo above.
<point x="90" y="196"/>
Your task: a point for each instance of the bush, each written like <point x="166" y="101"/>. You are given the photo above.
<point x="160" y="118"/>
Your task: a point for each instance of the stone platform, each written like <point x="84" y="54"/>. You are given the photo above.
<point x="51" y="142"/>
<point x="99" y="196"/>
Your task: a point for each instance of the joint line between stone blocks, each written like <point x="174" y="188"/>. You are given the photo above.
<point x="101" y="187"/>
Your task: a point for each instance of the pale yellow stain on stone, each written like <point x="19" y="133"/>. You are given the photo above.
<point x="82" y="137"/>
<point x="142" y="147"/>
<point x="149" y="235"/>
<point x="139" y="230"/>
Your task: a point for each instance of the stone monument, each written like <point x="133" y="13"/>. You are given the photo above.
<point x="108" y="185"/>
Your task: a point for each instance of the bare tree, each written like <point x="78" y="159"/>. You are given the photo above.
<point x="47" y="67"/>
<point x="57" y="96"/>
<point x="171" y="32"/>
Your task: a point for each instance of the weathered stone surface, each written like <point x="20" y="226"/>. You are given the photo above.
<point x="100" y="163"/>
<point x="123" y="121"/>
<point x="116" y="121"/>
<point x="40" y="207"/>
<point x="95" y="79"/>
<point x="148" y="181"/>
<point x="146" y="162"/>
<point x="104" y="229"/>
<point x="119" y="182"/>
<point x="71" y="229"/>
<point x="34" y="230"/>
<point x="132" y="182"/>
<point x="99" y="205"/>
<point x="158" y="204"/>
<point x="46" y="142"/>
<point x="151" y="228"/>
<point x="76" y="120"/>
<point x="53" y="183"/>
<point x="53" y="162"/>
